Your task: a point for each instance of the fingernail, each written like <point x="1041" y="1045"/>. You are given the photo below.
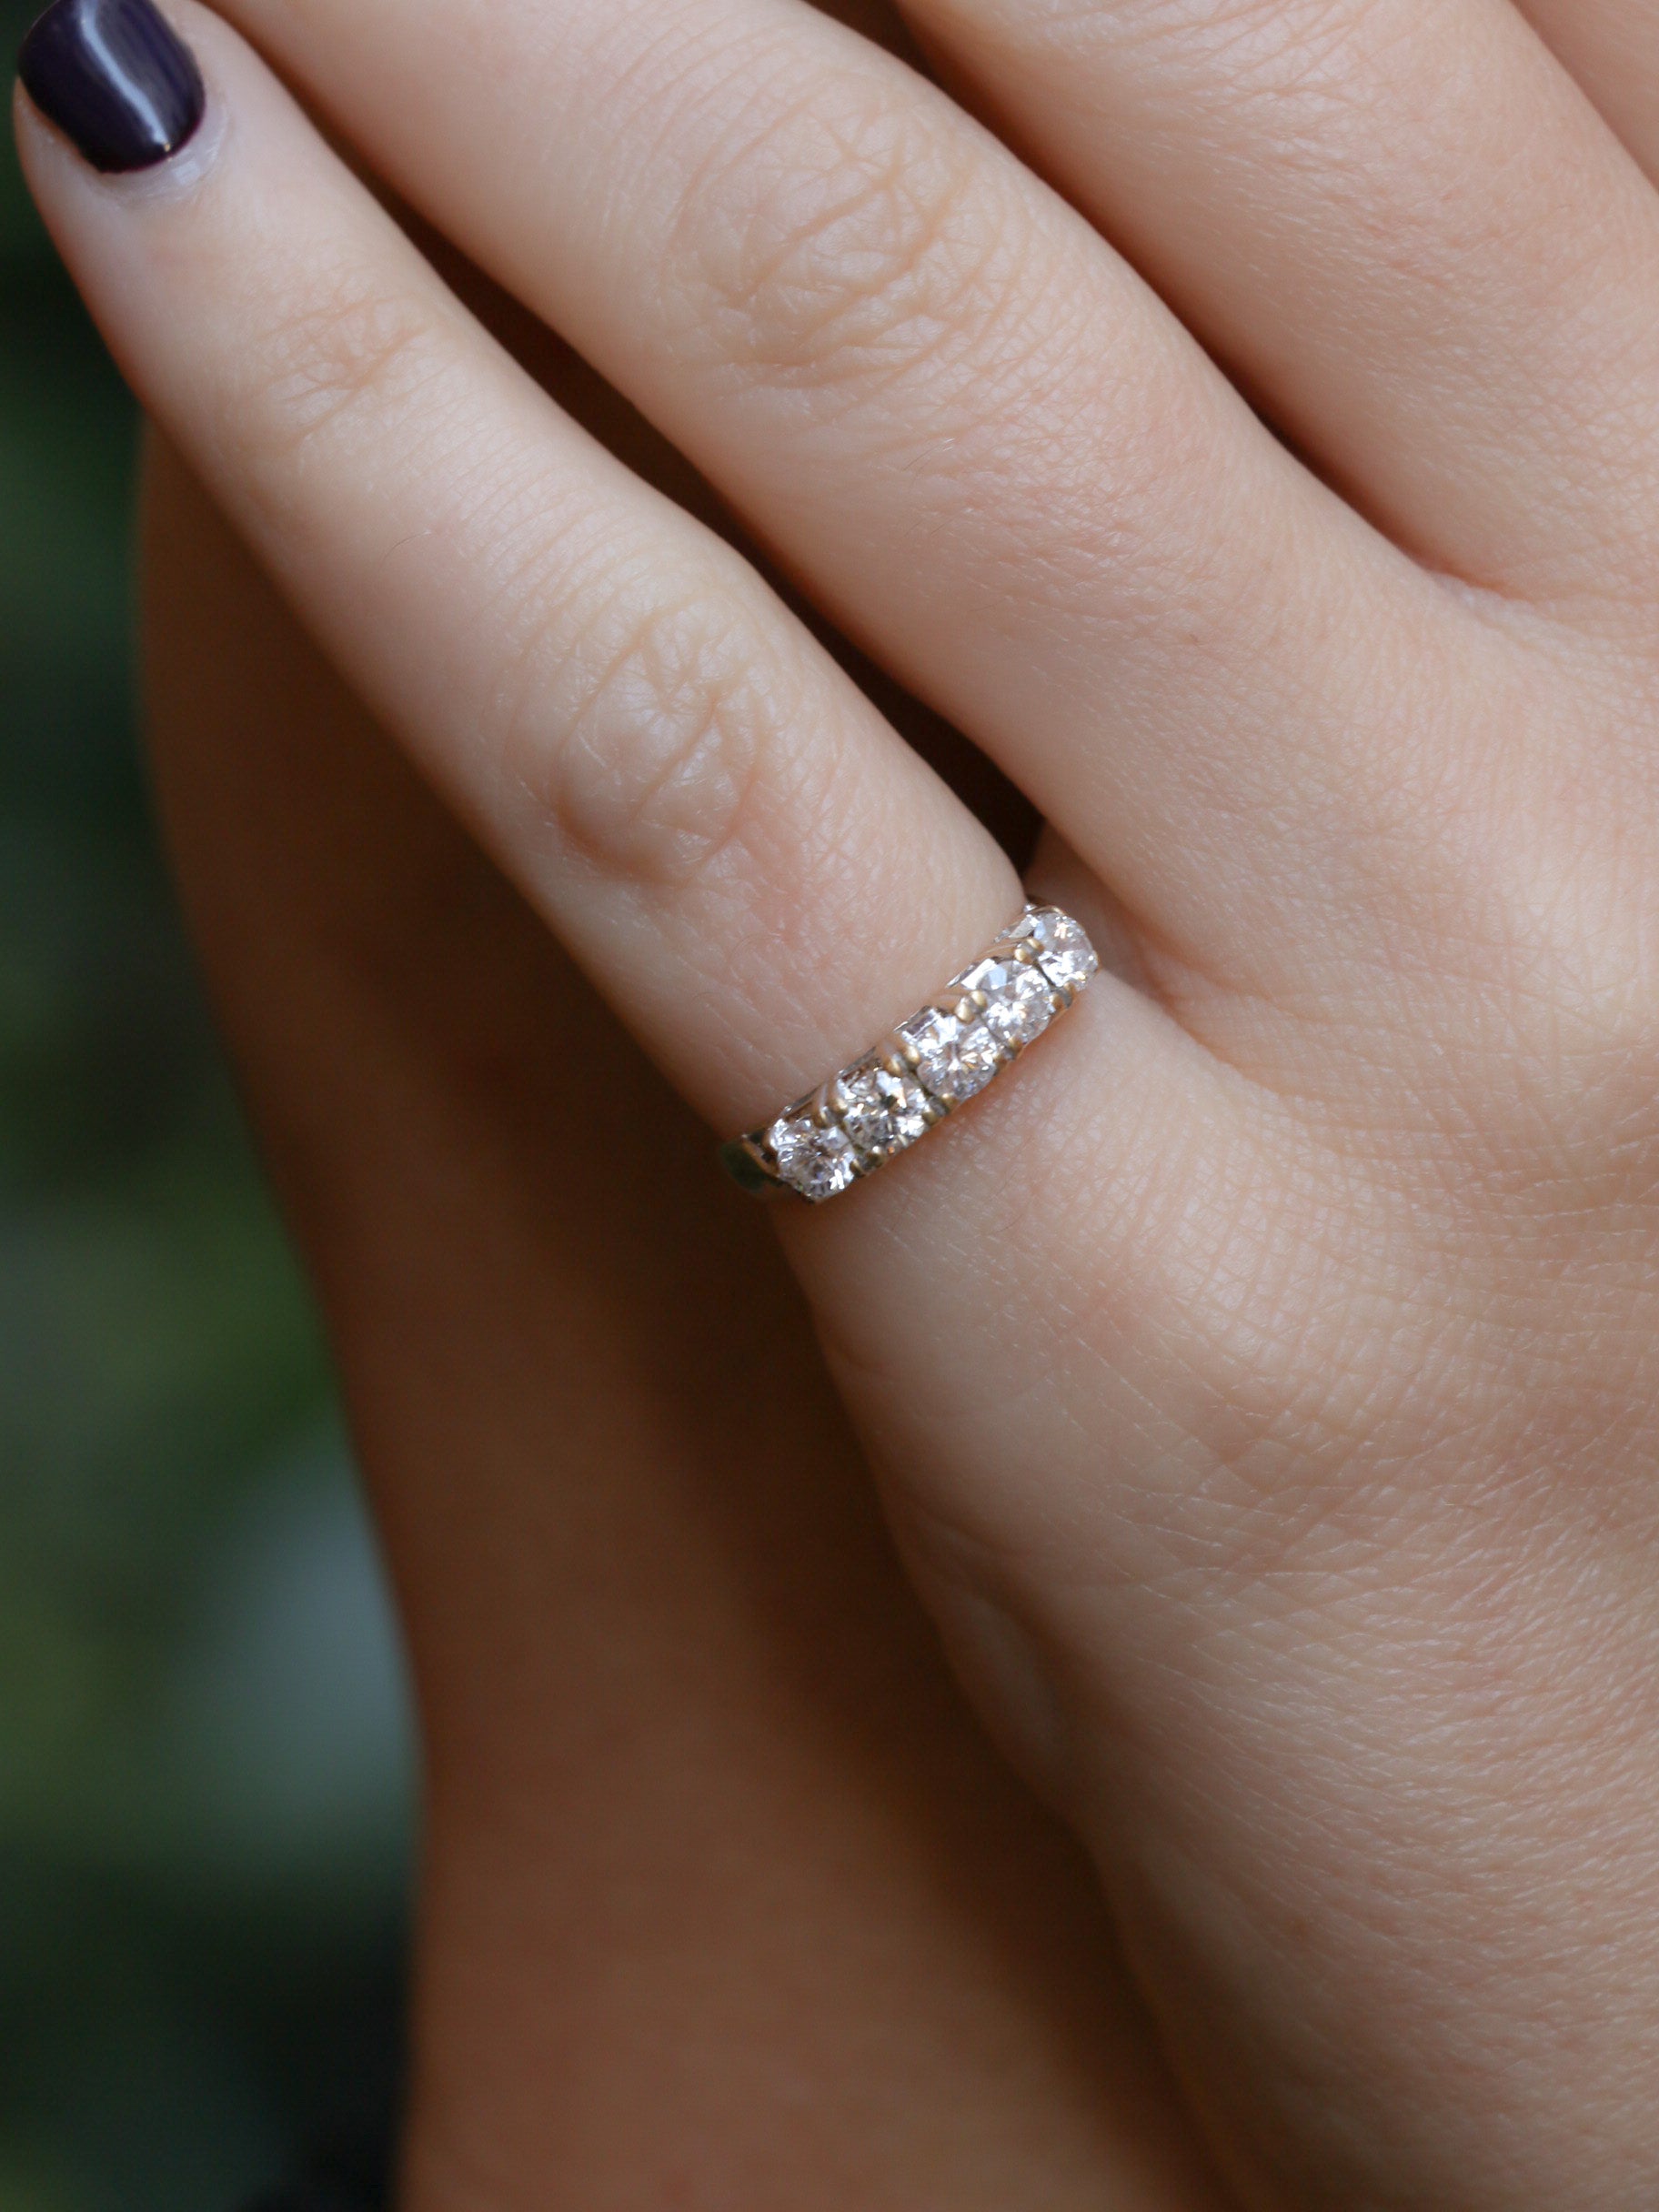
<point x="116" y="78"/>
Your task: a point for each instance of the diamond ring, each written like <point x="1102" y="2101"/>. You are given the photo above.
<point x="925" y="1069"/>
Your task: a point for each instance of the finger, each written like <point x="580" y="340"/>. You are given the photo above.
<point x="602" y="410"/>
<point x="1403" y="227"/>
<point x="960" y="417"/>
<point x="1612" y="47"/>
<point x="629" y="1957"/>
<point x="758" y="869"/>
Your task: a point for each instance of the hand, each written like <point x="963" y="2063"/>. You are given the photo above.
<point x="723" y="1891"/>
<point x="1260" y="1378"/>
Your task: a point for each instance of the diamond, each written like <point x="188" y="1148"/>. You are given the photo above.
<point x="817" y="1162"/>
<point x="892" y="1094"/>
<point x="955" y="1058"/>
<point x="1021" y="1001"/>
<point x="883" y="1112"/>
<point x="1061" y="944"/>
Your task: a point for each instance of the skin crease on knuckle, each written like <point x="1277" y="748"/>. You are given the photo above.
<point x="857" y="259"/>
<point x="664" y="746"/>
<point x="854" y="261"/>
<point x="361" y="367"/>
<point x="656" y="731"/>
<point x="354" y="347"/>
<point x="845" y="241"/>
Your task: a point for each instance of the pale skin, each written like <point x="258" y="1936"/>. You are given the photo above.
<point x="1259" y="1384"/>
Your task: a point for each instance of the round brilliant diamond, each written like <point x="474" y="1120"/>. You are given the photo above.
<point x="817" y="1162"/>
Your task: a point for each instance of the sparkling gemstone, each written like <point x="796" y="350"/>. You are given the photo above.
<point x="1021" y="1000"/>
<point x="1061" y="944"/>
<point x="817" y="1162"/>
<point x="956" y="1058"/>
<point x="883" y="1112"/>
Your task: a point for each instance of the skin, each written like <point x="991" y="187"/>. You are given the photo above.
<point x="1259" y="1384"/>
<point x="711" y="1838"/>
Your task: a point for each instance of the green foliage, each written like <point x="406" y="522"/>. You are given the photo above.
<point x="202" y="1747"/>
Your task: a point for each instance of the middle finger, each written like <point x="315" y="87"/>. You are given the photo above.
<point x="1404" y="226"/>
<point x="991" y="452"/>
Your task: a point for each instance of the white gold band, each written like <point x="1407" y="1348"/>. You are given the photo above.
<point x="890" y="1097"/>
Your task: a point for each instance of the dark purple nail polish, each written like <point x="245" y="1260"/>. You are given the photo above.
<point x="116" y="78"/>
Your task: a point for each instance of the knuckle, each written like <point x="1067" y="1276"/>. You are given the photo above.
<point x="850" y="237"/>
<point x="655" y="755"/>
<point x="354" y="348"/>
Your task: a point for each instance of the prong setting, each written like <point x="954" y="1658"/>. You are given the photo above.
<point x="944" y="1055"/>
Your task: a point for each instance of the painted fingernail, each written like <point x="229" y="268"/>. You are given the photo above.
<point x="115" y="78"/>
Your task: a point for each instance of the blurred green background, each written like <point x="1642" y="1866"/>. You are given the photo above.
<point x="204" y="1760"/>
